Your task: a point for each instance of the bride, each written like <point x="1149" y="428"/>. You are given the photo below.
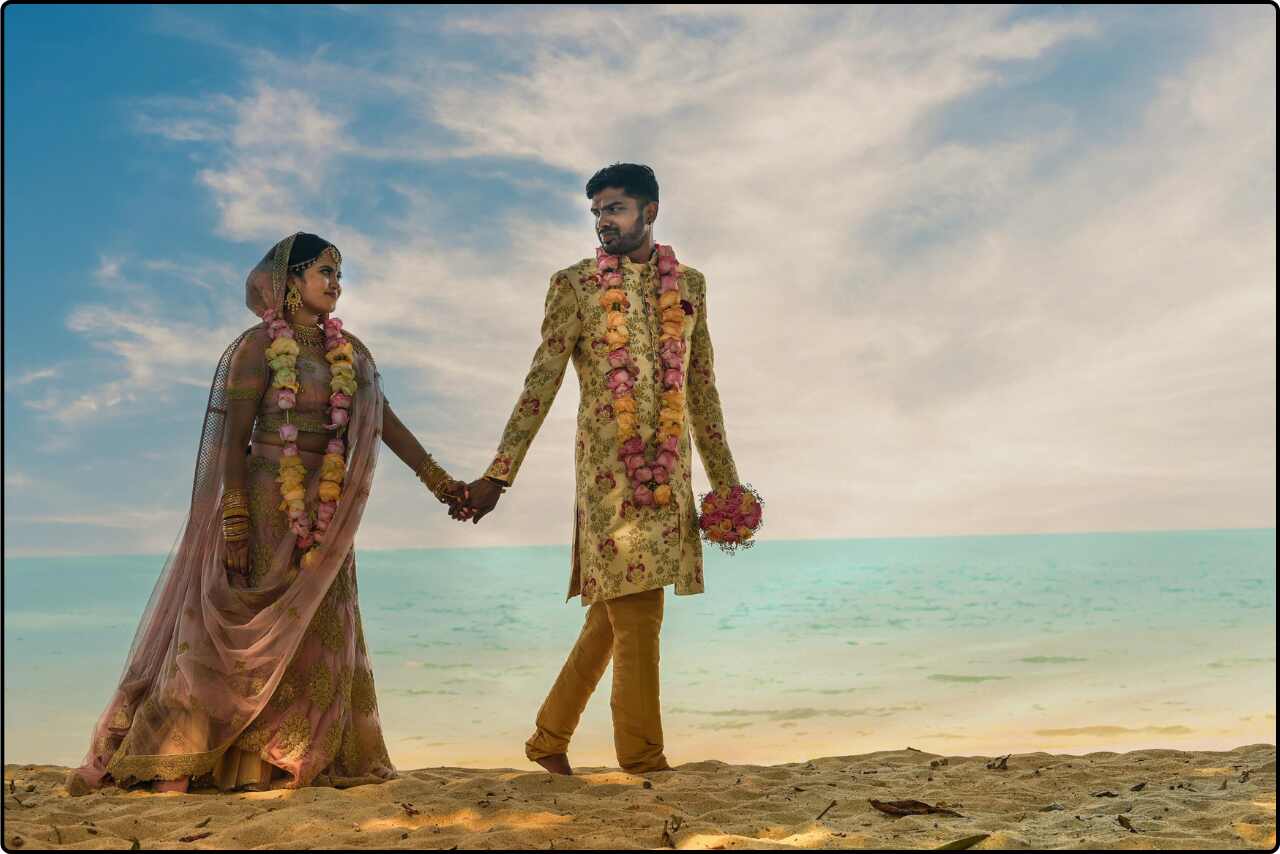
<point x="249" y="667"/>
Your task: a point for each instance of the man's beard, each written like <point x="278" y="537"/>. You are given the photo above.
<point x="625" y="242"/>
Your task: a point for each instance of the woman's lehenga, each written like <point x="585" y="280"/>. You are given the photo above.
<point x="262" y="681"/>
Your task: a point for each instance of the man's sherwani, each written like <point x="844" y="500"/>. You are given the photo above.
<point x="618" y="547"/>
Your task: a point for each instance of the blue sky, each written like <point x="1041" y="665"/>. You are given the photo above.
<point x="972" y="270"/>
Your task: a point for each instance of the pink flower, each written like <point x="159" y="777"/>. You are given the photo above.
<point x="340" y="417"/>
<point x="643" y="496"/>
<point x="672" y="444"/>
<point x="619" y="377"/>
<point x="300" y="527"/>
<point x="634" y="462"/>
<point x="284" y="333"/>
<point x="673" y="378"/>
<point x="276" y="327"/>
<point x="325" y="511"/>
<point x="644" y="474"/>
<point x="340" y="400"/>
<point x="333" y="326"/>
<point x="666" y="265"/>
<point x="288" y="432"/>
<point x="612" y="280"/>
<point x="634" y="445"/>
<point x="322" y="525"/>
<point x="290" y="450"/>
<point x="736" y="492"/>
<point x="660" y="474"/>
<point x="672" y="345"/>
<point x="286" y="399"/>
<point x="620" y="357"/>
<point x="306" y="542"/>
<point x="705" y="522"/>
<point x="606" y="262"/>
<point x="269" y="315"/>
<point x="335" y="446"/>
<point x="672" y="360"/>
<point x="622" y="391"/>
<point x="670" y="282"/>
<point x="667" y="459"/>
<point x="752" y="518"/>
<point x="664" y="251"/>
<point x="296" y="515"/>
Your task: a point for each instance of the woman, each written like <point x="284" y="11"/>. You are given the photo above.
<point x="249" y="668"/>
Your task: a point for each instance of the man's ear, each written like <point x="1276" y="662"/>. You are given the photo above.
<point x="650" y="213"/>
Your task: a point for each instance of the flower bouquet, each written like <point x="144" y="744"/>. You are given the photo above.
<point x="731" y="517"/>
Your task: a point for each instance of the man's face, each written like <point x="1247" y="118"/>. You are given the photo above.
<point x="620" y="223"/>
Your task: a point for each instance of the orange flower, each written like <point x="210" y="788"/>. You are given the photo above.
<point x="673" y="399"/>
<point x="624" y="404"/>
<point x="662" y="495"/>
<point x="673" y="330"/>
<point x="626" y="421"/>
<point x="617" y="337"/>
<point x="612" y="297"/>
<point x="616" y="319"/>
<point x="671" y="415"/>
<point x="668" y="299"/>
<point x="673" y="315"/>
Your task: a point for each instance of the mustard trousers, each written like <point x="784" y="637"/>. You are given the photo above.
<point x="625" y="629"/>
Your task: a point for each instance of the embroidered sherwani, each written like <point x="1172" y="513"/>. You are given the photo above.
<point x="618" y="547"/>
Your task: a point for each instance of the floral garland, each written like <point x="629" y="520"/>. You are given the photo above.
<point x="282" y="356"/>
<point x="731" y="517"/>
<point x="649" y="469"/>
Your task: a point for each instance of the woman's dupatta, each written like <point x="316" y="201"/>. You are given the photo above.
<point x="209" y="652"/>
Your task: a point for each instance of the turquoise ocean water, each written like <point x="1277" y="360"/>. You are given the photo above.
<point x="960" y="645"/>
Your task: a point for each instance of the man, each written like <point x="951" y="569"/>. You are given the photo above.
<point x="643" y="358"/>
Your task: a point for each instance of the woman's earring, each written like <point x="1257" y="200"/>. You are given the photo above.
<point x="293" y="300"/>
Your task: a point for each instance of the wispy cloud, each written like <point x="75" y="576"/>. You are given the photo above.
<point x="922" y="324"/>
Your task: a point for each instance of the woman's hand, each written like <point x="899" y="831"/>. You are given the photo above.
<point x="455" y="493"/>
<point x="237" y="559"/>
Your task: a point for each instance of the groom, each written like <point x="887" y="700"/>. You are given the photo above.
<point x="634" y="322"/>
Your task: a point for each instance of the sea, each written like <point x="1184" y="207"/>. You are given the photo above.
<point x="960" y="646"/>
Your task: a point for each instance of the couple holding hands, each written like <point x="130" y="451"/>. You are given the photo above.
<point x="249" y="668"/>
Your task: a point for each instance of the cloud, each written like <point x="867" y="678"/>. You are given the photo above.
<point x="922" y="326"/>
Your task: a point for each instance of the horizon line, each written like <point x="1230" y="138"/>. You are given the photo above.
<point x="565" y="545"/>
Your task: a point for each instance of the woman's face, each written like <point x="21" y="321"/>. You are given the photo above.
<point x="321" y="284"/>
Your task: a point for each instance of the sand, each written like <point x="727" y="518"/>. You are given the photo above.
<point x="1171" y="799"/>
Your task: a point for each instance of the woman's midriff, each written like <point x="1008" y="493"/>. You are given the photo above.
<point x="310" y="458"/>
<point x="307" y="442"/>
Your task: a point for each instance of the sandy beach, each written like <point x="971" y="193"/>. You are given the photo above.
<point x="1140" y="799"/>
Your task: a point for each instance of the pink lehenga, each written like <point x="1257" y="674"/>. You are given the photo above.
<point x="259" y="681"/>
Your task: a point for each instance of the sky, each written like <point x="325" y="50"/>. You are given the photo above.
<point x="971" y="270"/>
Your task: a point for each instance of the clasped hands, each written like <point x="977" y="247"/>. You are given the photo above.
<point x="474" y="500"/>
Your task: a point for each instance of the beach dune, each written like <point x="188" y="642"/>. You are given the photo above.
<point x="1140" y="799"/>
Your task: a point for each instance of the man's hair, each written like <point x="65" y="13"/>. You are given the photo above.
<point x="633" y="179"/>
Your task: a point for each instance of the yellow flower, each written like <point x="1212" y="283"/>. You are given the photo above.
<point x="340" y="353"/>
<point x="624" y="404"/>
<point x="626" y="420"/>
<point x="673" y="315"/>
<point x="616" y="319"/>
<point x="617" y="337"/>
<point x="346" y="385"/>
<point x="668" y="299"/>
<point x="342" y="369"/>
<point x="283" y="363"/>
<point x="662" y="495"/>
<point x="672" y="330"/>
<point x="295" y="494"/>
<point x="282" y="346"/>
<point x="329" y="491"/>
<point x="310" y="558"/>
<point x="335" y="460"/>
<point x="744" y="533"/>
<point x="672" y="415"/>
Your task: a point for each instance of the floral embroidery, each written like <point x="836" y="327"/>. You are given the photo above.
<point x="362" y="696"/>
<point x="320" y="685"/>
<point x="668" y="544"/>
<point x="294" y="736"/>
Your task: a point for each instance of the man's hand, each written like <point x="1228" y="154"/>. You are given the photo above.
<point x="483" y="497"/>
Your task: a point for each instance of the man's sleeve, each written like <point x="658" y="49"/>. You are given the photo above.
<point x="561" y="325"/>
<point x="704" y="401"/>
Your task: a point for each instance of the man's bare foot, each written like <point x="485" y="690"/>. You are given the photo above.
<point x="556" y="763"/>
